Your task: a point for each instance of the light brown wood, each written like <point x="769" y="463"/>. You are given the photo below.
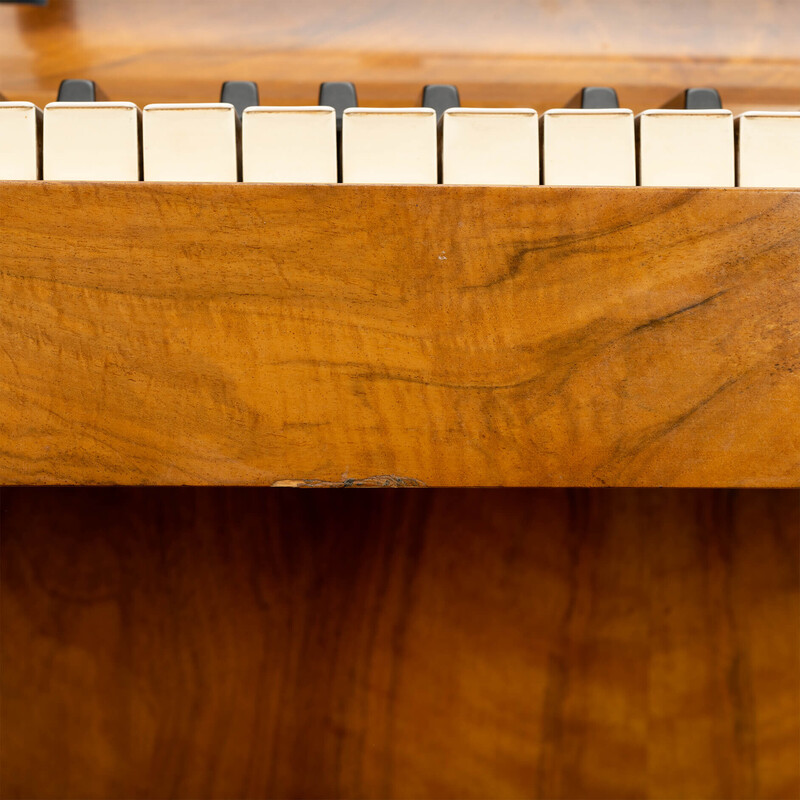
<point x="245" y="334"/>
<point x="448" y="644"/>
<point x="536" y="53"/>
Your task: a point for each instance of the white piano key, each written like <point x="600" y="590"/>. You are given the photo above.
<point x="769" y="149"/>
<point x="389" y="145"/>
<point x="190" y="142"/>
<point x="588" y="147"/>
<point x="686" y="147"/>
<point x="490" y="146"/>
<point x="289" y="144"/>
<point x="20" y="141"/>
<point x="96" y="141"/>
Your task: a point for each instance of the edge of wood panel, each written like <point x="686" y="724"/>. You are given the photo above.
<point x="436" y="335"/>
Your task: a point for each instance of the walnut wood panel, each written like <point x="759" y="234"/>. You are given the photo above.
<point x="243" y="643"/>
<point x="506" y="52"/>
<point x="244" y="334"/>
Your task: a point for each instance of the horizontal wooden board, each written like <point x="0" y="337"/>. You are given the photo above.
<point x="454" y="336"/>
<point x="536" y="53"/>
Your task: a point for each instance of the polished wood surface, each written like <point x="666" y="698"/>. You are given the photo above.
<point x="245" y="334"/>
<point x="234" y="643"/>
<point x="535" y="53"/>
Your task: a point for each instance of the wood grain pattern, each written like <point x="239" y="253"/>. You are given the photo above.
<point x="244" y="334"/>
<point x="244" y="643"/>
<point x="534" y="53"/>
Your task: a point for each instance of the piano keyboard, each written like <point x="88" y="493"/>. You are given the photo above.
<point x="589" y="142"/>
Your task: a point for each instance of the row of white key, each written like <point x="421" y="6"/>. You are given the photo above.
<point x="284" y="144"/>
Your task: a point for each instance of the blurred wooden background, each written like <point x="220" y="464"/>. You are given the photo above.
<point x="509" y="52"/>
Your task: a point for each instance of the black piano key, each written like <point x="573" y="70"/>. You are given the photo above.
<point x="594" y="97"/>
<point x="339" y="95"/>
<point x="702" y="99"/>
<point x="240" y="94"/>
<point x="440" y="97"/>
<point x="696" y="100"/>
<point x="73" y="90"/>
<point x="599" y="97"/>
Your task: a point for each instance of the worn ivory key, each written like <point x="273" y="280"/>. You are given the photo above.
<point x="90" y="140"/>
<point x="591" y="142"/>
<point x="769" y="149"/>
<point x="687" y="146"/>
<point x="490" y="146"/>
<point x="289" y="144"/>
<point x="190" y="142"/>
<point x="389" y="145"/>
<point x="20" y="141"/>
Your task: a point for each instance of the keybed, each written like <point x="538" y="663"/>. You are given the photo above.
<point x="591" y="141"/>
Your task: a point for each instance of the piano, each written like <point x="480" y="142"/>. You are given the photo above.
<point x="540" y="260"/>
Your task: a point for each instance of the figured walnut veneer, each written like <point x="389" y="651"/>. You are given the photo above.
<point x="454" y="336"/>
<point x="470" y="644"/>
